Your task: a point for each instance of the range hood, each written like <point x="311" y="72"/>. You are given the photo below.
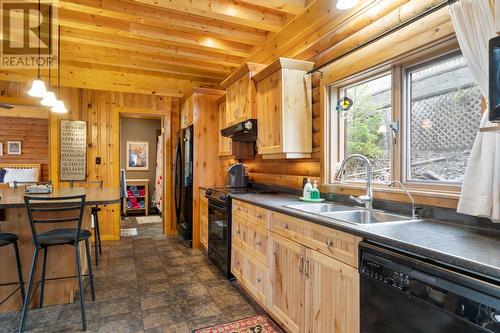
<point x="245" y="131"/>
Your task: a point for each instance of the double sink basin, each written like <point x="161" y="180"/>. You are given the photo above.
<point x="349" y="214"/>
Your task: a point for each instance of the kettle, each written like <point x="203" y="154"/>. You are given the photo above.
<point x="237" y="175"/>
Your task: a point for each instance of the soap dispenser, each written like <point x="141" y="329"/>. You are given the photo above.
<point x="315" y="191"/>
<point x="307" y="190"/>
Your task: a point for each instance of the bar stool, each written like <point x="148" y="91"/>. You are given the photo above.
<point x="41" y="210"/>
<point x="94" y="210"/>
<point x="5" y="240"/>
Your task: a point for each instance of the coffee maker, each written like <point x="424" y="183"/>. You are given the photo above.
<point x="237" y="176"/>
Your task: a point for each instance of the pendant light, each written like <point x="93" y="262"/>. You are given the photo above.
<point x="59" y="106"/>
<point x="346" y="4"/>
<point x="38" y="89"/>
<point x="50" y="98"/>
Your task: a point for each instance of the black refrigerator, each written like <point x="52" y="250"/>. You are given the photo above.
<point x="184" y="184"/>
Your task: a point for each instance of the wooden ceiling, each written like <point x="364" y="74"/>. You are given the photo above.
<point x="174" y="44"/>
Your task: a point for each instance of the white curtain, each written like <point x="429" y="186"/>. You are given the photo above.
<point x="474" y="26"/>
<point x="158" y="188"/>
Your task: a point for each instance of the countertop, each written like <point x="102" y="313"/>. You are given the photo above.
<point x="14" y="198"/>
<point x="466" y="248"/>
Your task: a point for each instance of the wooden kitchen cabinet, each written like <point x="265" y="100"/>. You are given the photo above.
<point x="284" y="109"/>
<point x="225" y="143"/>
<point x="287" y="282"/>
<point x="240" y="94"/>
<point x="331" y="295"/>
<point x="187" y="113"/>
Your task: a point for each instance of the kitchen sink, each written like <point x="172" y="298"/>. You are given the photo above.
<point x="320" y="208"/>
<point x="365" y="216"/>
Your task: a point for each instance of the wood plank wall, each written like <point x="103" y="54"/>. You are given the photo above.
<point x="34" y="136"/>
<point x="100" y="109"/>
<point x="323" y="45"/>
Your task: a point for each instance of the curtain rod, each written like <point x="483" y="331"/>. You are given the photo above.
<point x="385" y="34"/>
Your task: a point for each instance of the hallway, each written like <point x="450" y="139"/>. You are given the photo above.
<point x="146" y="283"/>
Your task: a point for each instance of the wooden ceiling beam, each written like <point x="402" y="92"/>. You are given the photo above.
<point x="73" y="51"/>
<point x="124" y="29"/>
<point x="111" y="79"/>
<point x="156" y="48"/>
<point x="225" y="10"/>
<point x="157" y="17"/>
<point x="294" y="7"/>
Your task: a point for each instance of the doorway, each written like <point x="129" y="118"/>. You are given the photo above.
<point x="142" y="161"/>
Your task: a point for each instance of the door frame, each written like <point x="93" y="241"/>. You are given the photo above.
<point x="168" y="225"/>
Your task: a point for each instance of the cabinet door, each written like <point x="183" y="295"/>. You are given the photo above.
<point x="288" y="282"/>
<point x="225" y="144"/>
<point x="187" y="113"/>
<point x="269" y="111"/>
<point x="238" y="229"/>
<point x="237" y="261"/>
<point x="255" y="276"/>
<point x="332" y="295"/>
<point x="257" y="242"/>
<point x="232" y="103"/>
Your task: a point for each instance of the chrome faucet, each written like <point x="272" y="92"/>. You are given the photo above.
<point x="367" y="199"/>
<point x="413" y="215"/>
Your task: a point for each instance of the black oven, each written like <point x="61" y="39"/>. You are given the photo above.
<point x="219" y="233"/>
<point x="400" y="293"/>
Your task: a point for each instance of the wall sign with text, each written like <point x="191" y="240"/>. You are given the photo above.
<point x="73" y="150"/>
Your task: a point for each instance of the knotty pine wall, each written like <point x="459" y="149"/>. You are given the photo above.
<point x="34" y="136"/>
<point x="334" y="44"/>
<point x="101" y="110"/>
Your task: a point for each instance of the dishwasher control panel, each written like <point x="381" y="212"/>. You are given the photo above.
<point x="384" y="274"/>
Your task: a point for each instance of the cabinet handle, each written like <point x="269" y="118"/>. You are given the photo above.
<point x="259" y="243"/>
<point x="238" y="232"/>
<point x="259" y="216"/>
<point x="301" y="266"/>
<point x="258" y="280"/>
<point x="285" y="226"/>
<point x="306" y="270"/>
<point x="329" y="244"/>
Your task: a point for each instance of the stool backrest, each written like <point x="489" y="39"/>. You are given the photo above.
<point x="86" y="183"/>
<point x="24" y="184"/>
<point x="54" y="209"/>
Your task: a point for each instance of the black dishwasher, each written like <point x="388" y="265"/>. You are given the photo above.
<point x="401" y="293"/>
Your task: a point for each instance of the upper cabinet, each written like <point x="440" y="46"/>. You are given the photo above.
<point x="225" y="144"/>
<point x="284" y="109"/>
<point x="187" y="112"/>
<point x="240" y="94"/>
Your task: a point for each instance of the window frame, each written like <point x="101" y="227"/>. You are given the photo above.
<point x="440" y="193"/>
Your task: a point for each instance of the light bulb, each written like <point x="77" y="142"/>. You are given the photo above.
<point x="49" y="99"/>
<point x="59" y="107"/>
<point x="37" y="89"/>
<point x="346" y="4"/>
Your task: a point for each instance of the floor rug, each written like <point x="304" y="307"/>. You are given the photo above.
<point x="129" y="232"/>
<point x="148" y="219"/>
<point x="256" y="324"/>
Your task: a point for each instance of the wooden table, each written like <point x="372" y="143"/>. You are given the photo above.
<point x="61" y="259"/>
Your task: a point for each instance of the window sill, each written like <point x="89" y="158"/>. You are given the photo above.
<point x="428" y="197"/>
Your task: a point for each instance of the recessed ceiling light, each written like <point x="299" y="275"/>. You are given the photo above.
<point x="346" y="4"/>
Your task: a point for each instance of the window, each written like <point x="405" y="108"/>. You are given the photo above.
<point x="425" y="138"/>
<point x="364" y="127"/>
<point x="444" y="112"/>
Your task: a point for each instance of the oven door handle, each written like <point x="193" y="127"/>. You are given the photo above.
<point x="216" y="205"/>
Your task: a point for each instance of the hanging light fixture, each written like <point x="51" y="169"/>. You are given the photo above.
<point x="346" y="4"/>
<point x="38" y="89"/>
<point x="50" y="98"/>
<point x="59" y="106"/>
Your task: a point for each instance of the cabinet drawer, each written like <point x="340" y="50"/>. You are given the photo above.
<point x="237" y="259"/>
<point x="238" y="230"/>
<point x="256" y="279"/>
<point x="336" y="244"/>
<point x="257" y="242"/>
<point x="255" y="214"/>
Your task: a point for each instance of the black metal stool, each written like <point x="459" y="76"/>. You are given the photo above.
<point x="5" y="240"/>
<point x="47" y="210"/>
<point x="95" y="210"/>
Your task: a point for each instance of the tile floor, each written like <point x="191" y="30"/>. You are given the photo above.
<point x="146" y="283"/>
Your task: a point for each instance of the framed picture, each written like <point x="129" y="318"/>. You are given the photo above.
<point x="14" y="147"/>
<point x="137" y="155"/>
